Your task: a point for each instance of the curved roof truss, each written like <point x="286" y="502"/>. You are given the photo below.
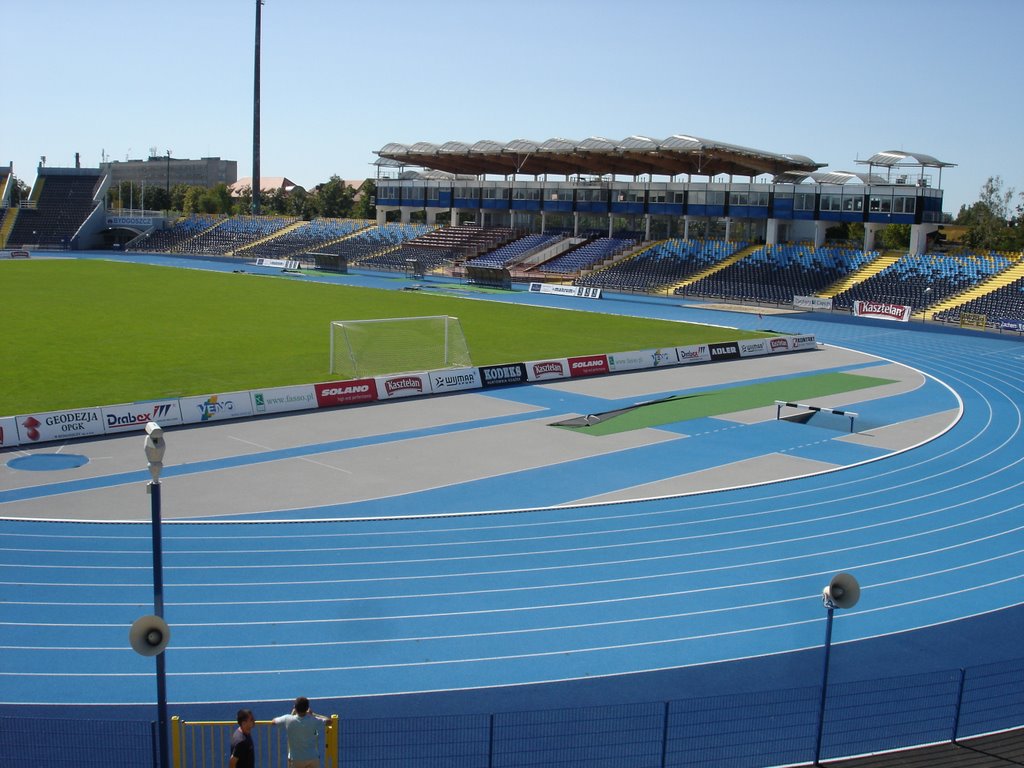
<point x="597" y="156"/>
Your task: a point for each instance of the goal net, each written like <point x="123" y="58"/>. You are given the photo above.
<point x="361" y="348"/>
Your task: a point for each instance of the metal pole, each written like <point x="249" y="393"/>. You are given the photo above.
<point x="824" y="686"/>
<point x="158" y="609"/>
<point x="256" y="116"/>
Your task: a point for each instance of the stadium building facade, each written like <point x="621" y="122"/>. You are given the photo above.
<point x="671" y="188"/>
<point x="165" y="171"/>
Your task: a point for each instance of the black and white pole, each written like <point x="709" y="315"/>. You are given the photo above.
<point x="842" y="591"/>
<point x="149" y="634"/>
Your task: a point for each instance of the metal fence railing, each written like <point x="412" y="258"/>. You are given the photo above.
<point x="747" y="730"/>
<point x="207" y="743"/>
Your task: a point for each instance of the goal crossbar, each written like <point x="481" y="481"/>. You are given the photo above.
<point x="380" y="346"/>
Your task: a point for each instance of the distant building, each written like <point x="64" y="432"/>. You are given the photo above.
<point x="268" y="184"/>
<point x="166" y="171"/>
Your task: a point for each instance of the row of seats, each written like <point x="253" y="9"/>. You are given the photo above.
<point x="306" y="237"/>
<point x="510" y="253"/>
<point x="171" y="240"/>
<point x="776" y="274"/>
<point x="922" y="280"/>
<point x="1005" y="303"/>
<point x="663" y="264"/>
<point x="586" y="255"/>
<point x="373" y="241"/>
<point x="233" y="234"/>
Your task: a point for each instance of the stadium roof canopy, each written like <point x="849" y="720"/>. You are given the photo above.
<point x="830" y="177"/>
<point x="632" y="156"/>
<point x="897" y="158"/>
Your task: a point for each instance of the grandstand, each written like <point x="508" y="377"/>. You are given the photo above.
<point x="175" y="238"/>
<point x="301" y="238"/>
<point x="61" y="201"/>
<point x="922" y="280"/>
<point x="659" y="265"/>
<point x="586" y="255"/>
<point x="775" y="274"/>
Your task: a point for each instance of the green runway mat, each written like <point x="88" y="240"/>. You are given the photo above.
<point x="669" y="410"/>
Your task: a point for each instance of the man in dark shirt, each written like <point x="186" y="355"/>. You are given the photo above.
<point x="243" y="753"/>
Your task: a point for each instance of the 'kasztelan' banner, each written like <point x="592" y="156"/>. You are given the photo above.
<point x="882" y="311"/>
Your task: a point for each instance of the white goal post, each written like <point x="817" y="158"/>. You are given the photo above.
<point x="361" y="348"/>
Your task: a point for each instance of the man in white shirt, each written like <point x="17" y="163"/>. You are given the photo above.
<point x="303" y="727"/>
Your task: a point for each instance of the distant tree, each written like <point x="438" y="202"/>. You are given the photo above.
<point x="303" y="204"/>
<point x="178" y="194"/>
<point x="222" y="195"/>
<point x="275" y="203"/>
<point x="994" y="222"/>
<point x="20" y="191"/>
<point x="366" y="205"/>
<point x="192" y="200"/>
<point x="895" y="236"/>
<point x="335" y="198"/>
<point x="157" y="199"/>
<point x="243" y="203"/>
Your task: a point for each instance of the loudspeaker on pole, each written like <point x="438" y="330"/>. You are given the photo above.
<point x="149" y="635"/>
<point x="842" y="591"/>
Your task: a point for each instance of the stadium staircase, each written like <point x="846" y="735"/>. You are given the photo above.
<point x="716" y="267"/>
<point x="1009" y="275"/>
<point x="870" y="269"/>
<point x="8" y="225"/>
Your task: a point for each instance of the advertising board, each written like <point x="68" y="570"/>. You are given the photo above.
<point x="402" y="385"/>
<point x="882" y="311"/>
<point x="503" y="375"/>
<point x="454" y="379"/>
<point x="59" y="425"/>
<point x="218" y="407"/>
<point x="545" y="370"/>
<point x="283" y="399"/>
<point x="590" y="365"/>
<point x="131" y="417"/>
<point x="641" y="359"/>
<point x="349" y="392"/>
<point x="8" y="432"/>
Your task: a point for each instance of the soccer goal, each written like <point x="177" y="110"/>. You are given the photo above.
<point x="361" y="348"/>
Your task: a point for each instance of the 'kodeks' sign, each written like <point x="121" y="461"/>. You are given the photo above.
<point x="588" y="366"/>
<point x="345" y="392"/>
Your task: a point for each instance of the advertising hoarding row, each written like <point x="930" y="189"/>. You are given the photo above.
<point x="32" y="428"/>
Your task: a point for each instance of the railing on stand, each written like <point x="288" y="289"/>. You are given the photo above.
<point x="207" y="743"/>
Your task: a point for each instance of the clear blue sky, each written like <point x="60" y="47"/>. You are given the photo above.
<point x="835" y="81"/>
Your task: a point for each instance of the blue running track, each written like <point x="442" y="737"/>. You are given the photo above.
<point x="637" y="601"/>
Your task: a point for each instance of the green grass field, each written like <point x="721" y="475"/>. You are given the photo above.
<point x="82" y="333"/>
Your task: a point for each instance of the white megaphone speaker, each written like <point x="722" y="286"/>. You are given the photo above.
<point x="842" y="592"/>
<point x="149" y="635"/>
